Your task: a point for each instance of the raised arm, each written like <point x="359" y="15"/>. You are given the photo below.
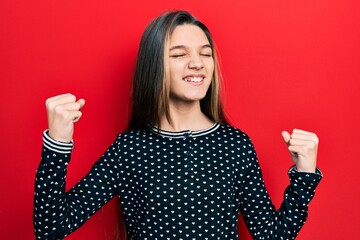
<point x="57" y="212"/>
<point x="261" y="217"/>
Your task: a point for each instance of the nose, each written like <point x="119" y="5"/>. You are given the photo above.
<point x="196" y="62"/>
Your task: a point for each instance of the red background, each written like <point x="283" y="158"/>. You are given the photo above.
<point x="286" y="64"/>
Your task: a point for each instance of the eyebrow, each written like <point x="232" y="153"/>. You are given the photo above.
<point x="184" y="47"/>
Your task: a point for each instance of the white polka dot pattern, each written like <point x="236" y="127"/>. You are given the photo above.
<point x="184" y="185"/>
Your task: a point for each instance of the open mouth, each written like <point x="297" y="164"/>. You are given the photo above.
<point x="193" y="79"/>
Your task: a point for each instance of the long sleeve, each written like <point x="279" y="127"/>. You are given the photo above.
<point x="57" y="212"/>
<point x="263" y="221"/>
<point x="177" y="185"/>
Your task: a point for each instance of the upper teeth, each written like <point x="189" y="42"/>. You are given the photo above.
<point x="194" y="79"/>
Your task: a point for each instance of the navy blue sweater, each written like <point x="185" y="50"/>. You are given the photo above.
<point x="172" y="185"/>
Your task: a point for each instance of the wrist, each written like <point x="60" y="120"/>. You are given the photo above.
<point x="57" y="146"/>
<point x="305" y="170"/>
<point x="58" y="138"/>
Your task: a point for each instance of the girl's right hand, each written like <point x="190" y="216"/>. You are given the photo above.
<point x="62" y="112"/>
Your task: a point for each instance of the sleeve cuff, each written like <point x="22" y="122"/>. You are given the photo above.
<point x="294" y="170"/>
<point x="56" y="146"/>
<point x="303" y="184"/>
<point x="304" y="181"/>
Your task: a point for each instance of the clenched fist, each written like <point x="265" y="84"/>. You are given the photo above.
<point x="303" y="148"/>
<point x="62" y="112"/>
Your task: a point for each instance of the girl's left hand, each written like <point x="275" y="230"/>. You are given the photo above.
<point x="303" y="148"/>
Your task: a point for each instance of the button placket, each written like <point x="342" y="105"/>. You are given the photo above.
<point x="189" y="152"/>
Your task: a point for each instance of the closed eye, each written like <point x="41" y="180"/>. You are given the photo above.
<point x="177" y="55"/>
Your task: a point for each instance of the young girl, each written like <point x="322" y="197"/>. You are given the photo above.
<point x="180" y="171"/>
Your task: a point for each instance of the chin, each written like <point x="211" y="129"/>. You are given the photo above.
<point x="188" y="97"/>
<point x="195" y="98"/>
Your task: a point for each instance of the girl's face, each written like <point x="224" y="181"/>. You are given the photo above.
<point x="190" y="63"/>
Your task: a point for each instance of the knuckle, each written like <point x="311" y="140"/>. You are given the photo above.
<point x="78" y="115"/>
<point x="72" y="97"/>
<point x="57" y="109"/>
<point x="311" y="144"/>
<point x="49" y="104"/>
<point x="65" y="115"/>
<point x="60" y="113"/>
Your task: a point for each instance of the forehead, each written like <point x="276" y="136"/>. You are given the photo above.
<point x="188" y="35"/>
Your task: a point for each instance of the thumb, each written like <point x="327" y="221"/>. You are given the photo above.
<point x="81" y="102"/>
<point x="286" y="137"/>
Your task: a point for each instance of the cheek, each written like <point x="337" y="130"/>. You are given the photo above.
<point x="176" y="67"/>
<point x="210" y="66"/>
<point x="210" y="70"/>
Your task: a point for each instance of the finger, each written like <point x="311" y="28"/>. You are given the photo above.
<point x="59" y="101"/>
<point x="67" y="107"/>
<point x="73" y="105"/>
<point x="75" y="116"/>
<point x="313" y="138"/>
<point x="302" y="149"/>
<point x="81" y="102"/>
<point x="58" y="96"/>
<point x="298" y="142"/>
<point x="298" y="150"/>
<point x="286" y="136"/>
<point x="303" y="132"/>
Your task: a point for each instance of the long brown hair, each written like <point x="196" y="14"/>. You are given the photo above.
<point x="150" y="97"/>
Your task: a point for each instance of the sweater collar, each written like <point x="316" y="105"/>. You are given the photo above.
<point x="184" y="133"/>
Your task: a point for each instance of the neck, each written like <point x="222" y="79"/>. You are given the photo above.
<point x="185" y="116"/>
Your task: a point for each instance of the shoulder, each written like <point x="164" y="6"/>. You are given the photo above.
<point x="234" y="132"/>
<point x="238" y="144"/>
<point x="133" y="135"/>
<point x="237" y="137"/>
<point x="138" y="137"/>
